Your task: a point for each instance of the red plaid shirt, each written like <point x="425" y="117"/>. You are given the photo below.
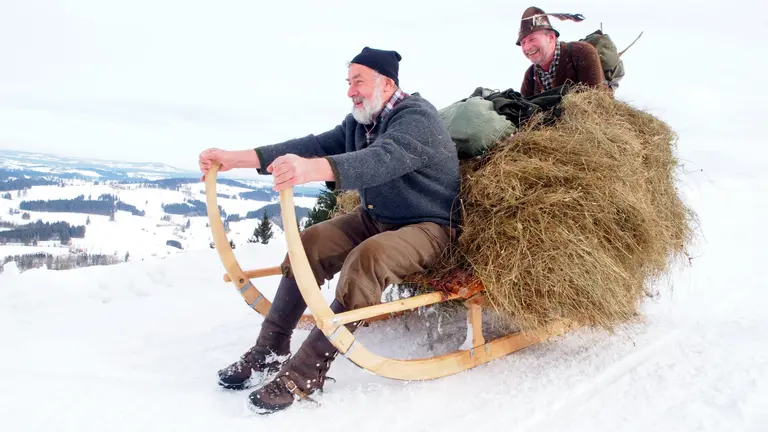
<point x="371" y="130"/>
<point x="547" y="78"/>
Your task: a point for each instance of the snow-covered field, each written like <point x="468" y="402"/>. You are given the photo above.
<point x="140" y="236"/>
<point x="136" y="346"/>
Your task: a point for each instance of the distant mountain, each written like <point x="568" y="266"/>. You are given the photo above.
<point x="41" y="168"/>
<point x="84" y="168"/>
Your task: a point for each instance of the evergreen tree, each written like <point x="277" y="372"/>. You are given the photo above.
<point x="263" y="232"/>
<point x="323" y="208"/>
<point x="189" y="223"/>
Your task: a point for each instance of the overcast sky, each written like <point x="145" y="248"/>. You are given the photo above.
<point x="161" y="80"/>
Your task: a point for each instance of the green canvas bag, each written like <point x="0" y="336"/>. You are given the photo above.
<point x="475" y="126"/>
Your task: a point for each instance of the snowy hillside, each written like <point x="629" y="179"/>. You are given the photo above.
<point x="136" y="346"/>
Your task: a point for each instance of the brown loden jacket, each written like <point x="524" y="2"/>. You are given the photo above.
<point x="579" y="64"/>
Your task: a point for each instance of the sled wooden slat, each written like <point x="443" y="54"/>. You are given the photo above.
<point x="389" y="307"/>
<point x="258" y="273"/>
<point x="475" y="320"/>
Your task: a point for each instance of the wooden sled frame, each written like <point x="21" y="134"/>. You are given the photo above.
<point x="332" y="325"/>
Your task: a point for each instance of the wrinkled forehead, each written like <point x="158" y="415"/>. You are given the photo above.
<point x="537" y="35"/>
<point x="358" y="71"/>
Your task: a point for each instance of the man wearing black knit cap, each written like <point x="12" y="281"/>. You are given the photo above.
<point x="394" y="149"/>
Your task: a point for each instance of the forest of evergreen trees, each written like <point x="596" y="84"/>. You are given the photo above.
<point x="189" y="208"/>
<point x="119" y="205"/>
<point x="6" y="224"/>
<point x="234" y="218"/>
<point x="23" y="183"/>
<point x="60" y="262"/>
<point x="42" y="231"/>
<point x="77" y="205"/>
<point x="105" y="205"/>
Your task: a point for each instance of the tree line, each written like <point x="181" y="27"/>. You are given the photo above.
<point x="105" y="205"/>
<point x="42" y="231"/>
<point x="77" y="205"/>
<point x="190" y="207"/>
<point x="23" y="183"/>
<point x="119" y="205"/>
<point x="60" y="262"/>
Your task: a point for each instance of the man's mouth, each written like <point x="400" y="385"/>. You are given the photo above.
<point x="532" y="52"/>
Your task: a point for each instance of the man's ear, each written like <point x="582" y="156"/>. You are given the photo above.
<point x="389" y="84"/>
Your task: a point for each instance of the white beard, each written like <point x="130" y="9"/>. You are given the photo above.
<point x="371" y="107"/>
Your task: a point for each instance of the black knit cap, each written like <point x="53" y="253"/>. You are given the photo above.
<point x="383" y="62"/>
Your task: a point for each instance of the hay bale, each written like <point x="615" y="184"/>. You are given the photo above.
<point x="574" y="220"/>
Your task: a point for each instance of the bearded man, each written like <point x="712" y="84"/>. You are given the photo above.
<point x="555" y="62"/>
<point x="396" y="152"/>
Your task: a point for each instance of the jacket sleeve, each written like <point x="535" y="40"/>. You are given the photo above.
<point x="586" y="61"/>
<point x="526" y="89"/>
<point x="401" y="149"/>
<point x="327" y="143"/>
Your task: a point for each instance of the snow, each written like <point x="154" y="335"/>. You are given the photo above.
<point x="136" y="346"/>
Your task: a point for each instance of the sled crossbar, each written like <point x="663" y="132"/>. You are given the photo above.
<point x="258" y="273"/>
<point x="389" y="307"/>
<point x="333" y="325"/>
<point x="375" y="311"/>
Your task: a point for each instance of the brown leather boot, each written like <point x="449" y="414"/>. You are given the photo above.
<point x="273" y="347"/>
<point x="302" y="375"/>
<point x="259" y="364"/>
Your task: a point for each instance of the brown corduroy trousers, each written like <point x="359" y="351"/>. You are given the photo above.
<point x="370" y="255"/>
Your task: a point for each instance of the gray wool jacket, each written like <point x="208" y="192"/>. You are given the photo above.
<point x="409" y="174"/>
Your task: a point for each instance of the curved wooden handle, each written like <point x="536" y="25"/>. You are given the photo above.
<point x="252" y="296"/>
<point x="234" y="273"/>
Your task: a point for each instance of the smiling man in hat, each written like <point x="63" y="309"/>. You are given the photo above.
<point x="394" y="149"/>
<point x="555" y="62"/>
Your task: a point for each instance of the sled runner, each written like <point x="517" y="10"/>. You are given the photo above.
<point x="332" y="325"/>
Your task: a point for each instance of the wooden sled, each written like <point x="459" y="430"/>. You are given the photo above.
<point x="332" y="325"/>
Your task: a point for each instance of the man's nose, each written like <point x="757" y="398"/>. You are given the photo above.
<point x="351" y="92"/>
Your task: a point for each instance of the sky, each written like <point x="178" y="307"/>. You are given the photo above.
<point x="162" y="80"/>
